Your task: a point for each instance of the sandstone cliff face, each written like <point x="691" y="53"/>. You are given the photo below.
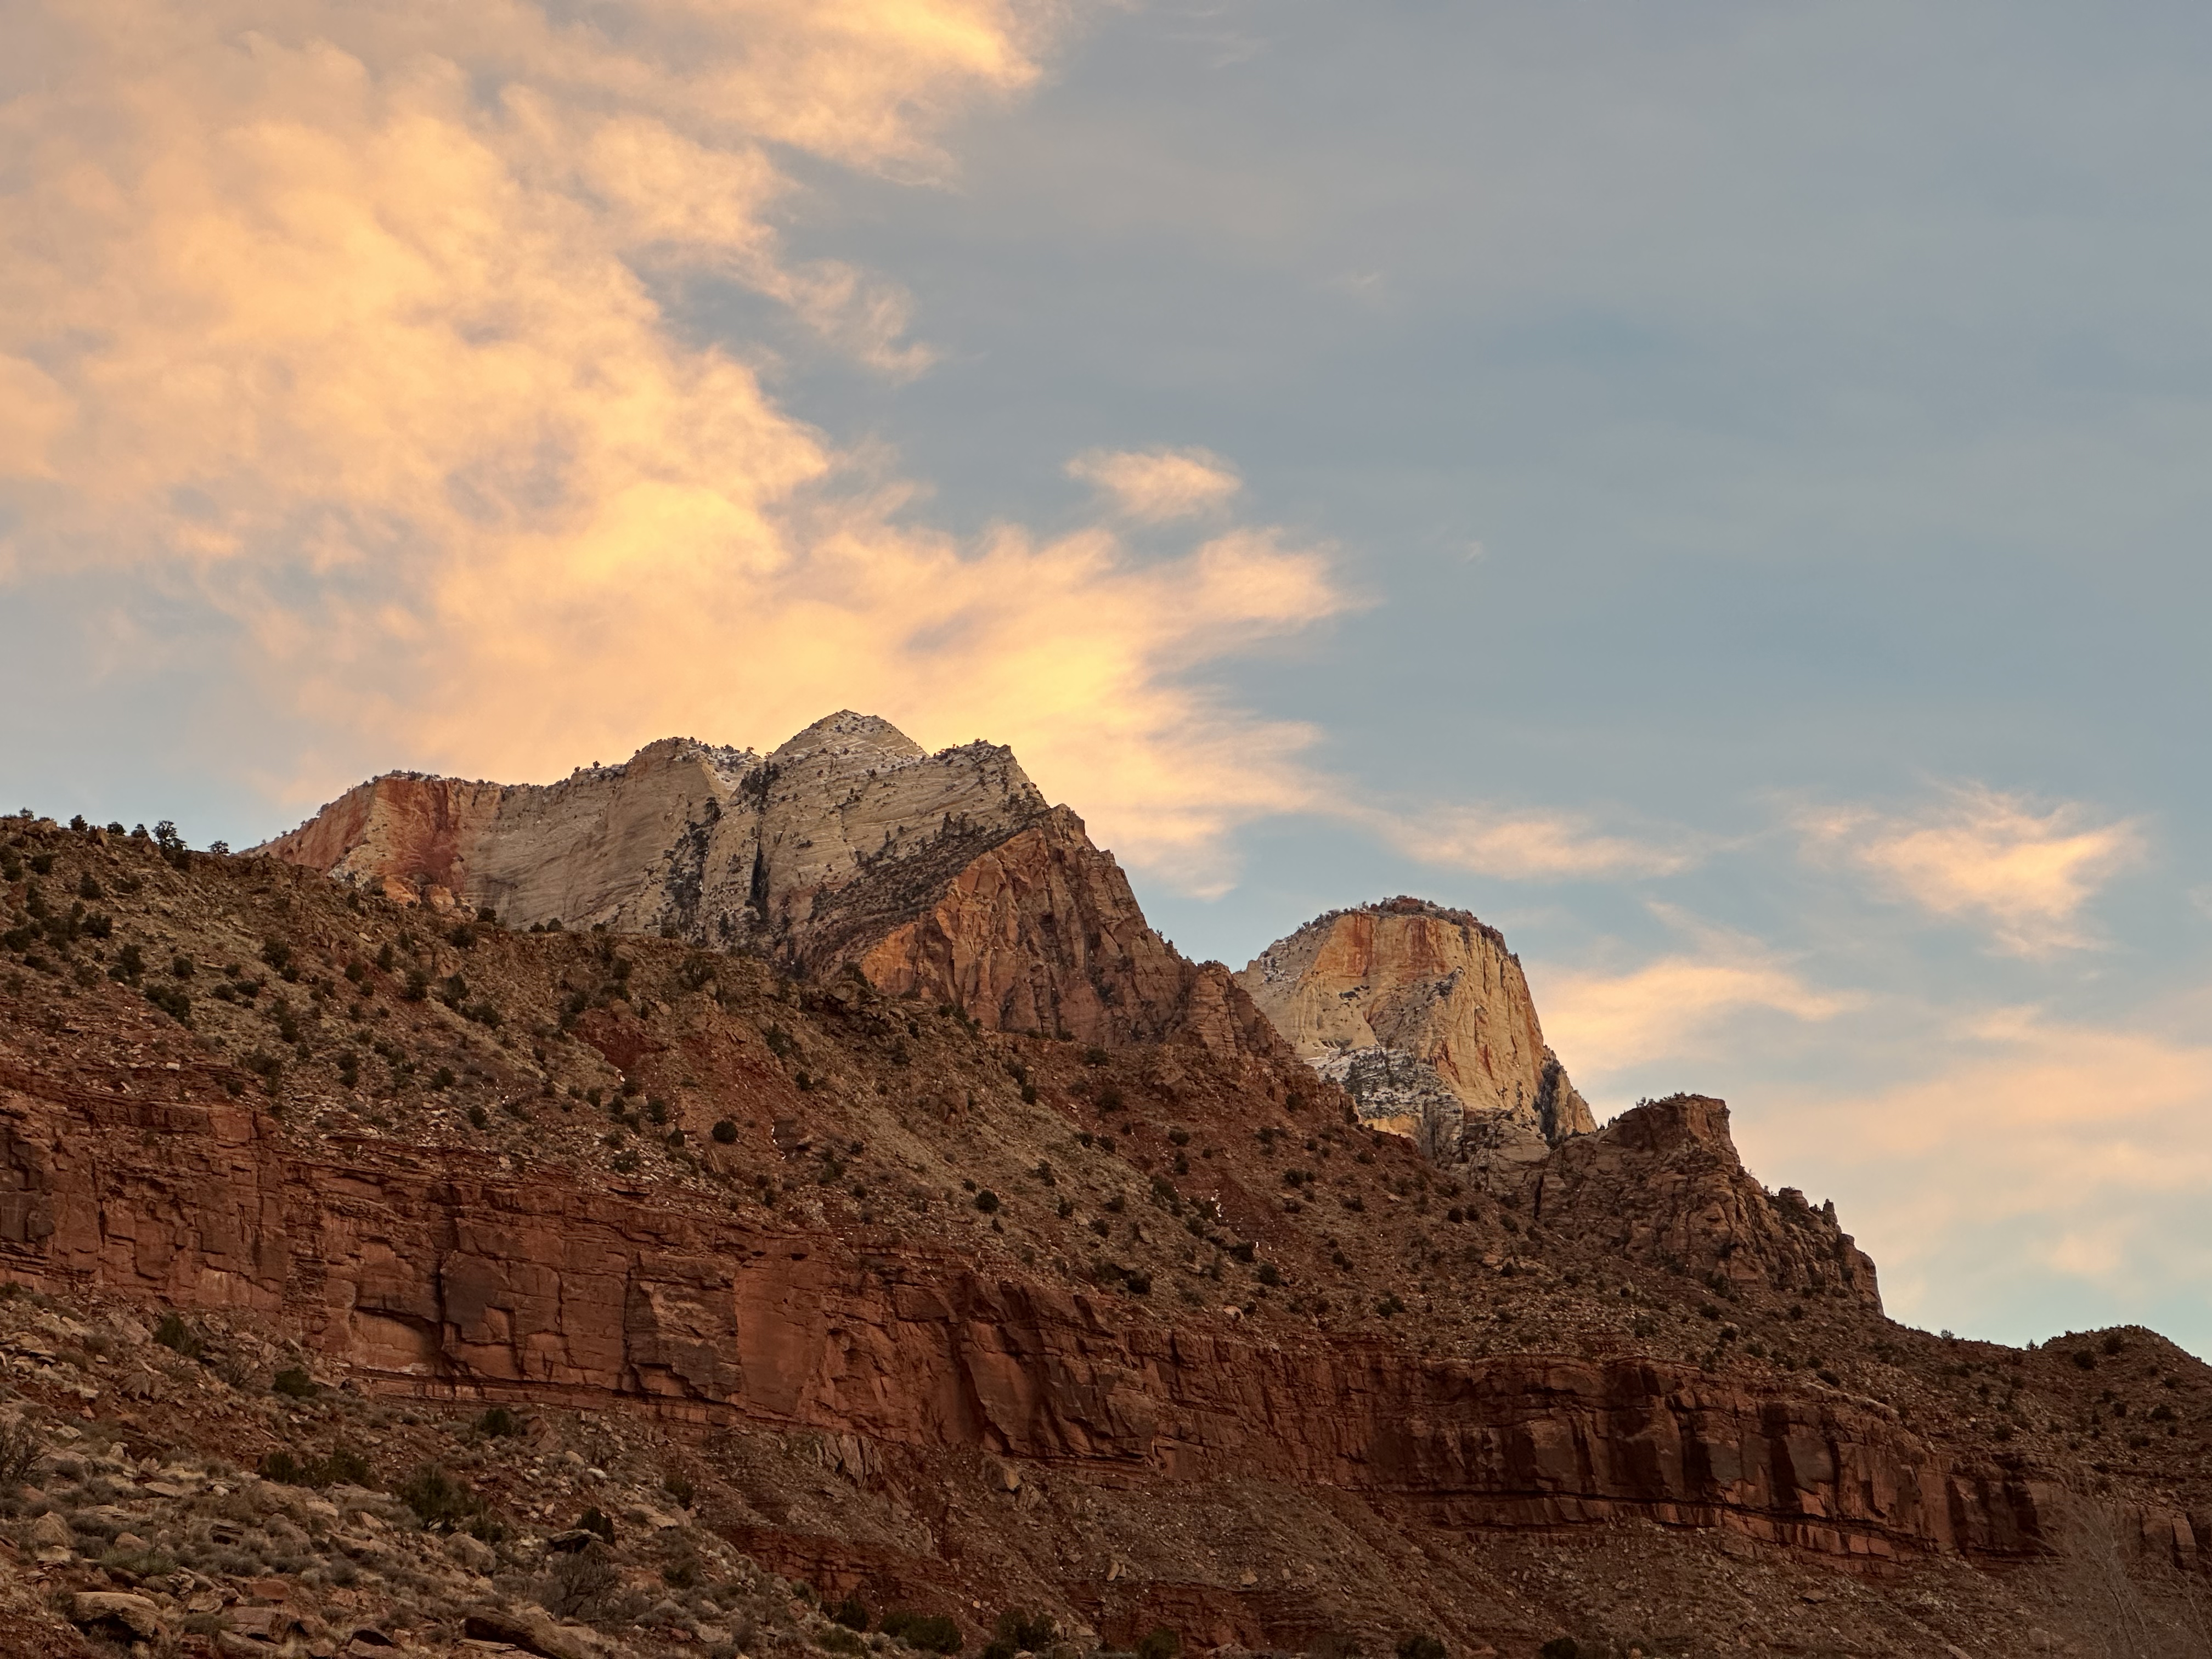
<point x="1425" y="1019"/>
<point x="947" y="876"/>
<point x="436" y="1271"/>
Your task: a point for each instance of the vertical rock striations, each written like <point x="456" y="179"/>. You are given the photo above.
<point x="1424" y="1018"/>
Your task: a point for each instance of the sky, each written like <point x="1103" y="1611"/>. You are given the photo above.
<point x="1717" y="490"/>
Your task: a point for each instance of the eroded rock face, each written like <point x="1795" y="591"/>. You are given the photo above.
<point x="1663" y="1184"/>
<point x="1425" y="1017"/>
<point x="947" y="876"/>
<point x="436" y="1272"/>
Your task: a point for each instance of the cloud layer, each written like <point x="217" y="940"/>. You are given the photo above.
<point x="2032" y="1148"/>
<point x="355" y="326"/>
<point x="2021" y="870"/>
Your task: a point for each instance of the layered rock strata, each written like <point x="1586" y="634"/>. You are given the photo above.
<point x="947" y="876"/>
<point x="436" y="1272"/>
<point x="1424" y="1018"/>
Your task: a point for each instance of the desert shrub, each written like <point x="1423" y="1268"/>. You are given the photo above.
<point x="442" y="1077"/>
<point x="479" y="1118"/>
<point x="139" y="1563"/>
<point x="281" y="1466"/>
<point x="725" y="1132"/>
<point x="581" y="1584"/>
<point x="294" y="1384"/>
<point x="342" y="1467"/>
<point x="440" y="1501"/>
<point x="2085" y="1359"/>
<point x="932" y="1632"/>
<point x="678" y="1486"/>
<point x="595" y="1520"/>
<point x="180" y="1337"/>
<point x="2114" y="1342"/>
<point x="852" y="1613"/>
<point x="1420" y="1645"/>
<point x="1270" y="1273"/>
<point x="501" y="1424"/>
<point x="987" y="1200"/>
<point x="20" y="1450"/>
<point x="1159" y="1642"/>
<point x="1025" y="1632"/>
<point x="171" y="1001"/>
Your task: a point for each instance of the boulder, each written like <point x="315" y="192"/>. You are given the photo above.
<point x="117" y="1614"/>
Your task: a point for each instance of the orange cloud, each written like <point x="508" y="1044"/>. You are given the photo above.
<point x="1158" y="485"/>
<point x="2037" y="1144"/>
<point x="346" y="319"/>
<point x="1524" y="846"/>
<point x="1986" y="856"/>
<point x="1604" y="1024"/>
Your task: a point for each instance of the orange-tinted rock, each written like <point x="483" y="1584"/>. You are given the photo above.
<point x="435" y="1270"/>
<point x="1425" y="1017"/>
<point x="1042" y="933"/>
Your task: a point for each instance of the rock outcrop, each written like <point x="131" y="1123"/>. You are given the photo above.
<point x="947" y="876"/>
<point x="1425" y="1017"/>
<point x="439" y="1272"/>
<point x="1663" y="1184"/>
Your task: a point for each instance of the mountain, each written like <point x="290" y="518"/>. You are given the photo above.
<point x="381" y="1279"/>
<point x="943" y="877"/>
<point x="1424" y="1018"/>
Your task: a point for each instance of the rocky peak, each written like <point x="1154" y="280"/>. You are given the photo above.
<point x="947" y="876"/>
<point x="1663" y="1183"/>
<point x="846" y="733"/>
<point x="1425" y="1017"/>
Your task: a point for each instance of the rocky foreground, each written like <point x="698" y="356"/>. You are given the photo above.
<point x="388" y="1279"/>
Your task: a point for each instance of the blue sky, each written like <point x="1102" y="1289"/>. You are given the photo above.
<point x="1716" y="490"/>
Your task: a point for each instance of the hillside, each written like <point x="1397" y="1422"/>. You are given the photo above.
<point x="818" y="1285"/>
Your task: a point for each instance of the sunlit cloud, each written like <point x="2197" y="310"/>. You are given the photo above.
<point x="1156" y="485"/>
<point x="1611" y="1024"/>
<point x="1527" y="846"/>
<point x="350" y="326"/>
<point x="2033" y="1145"/>
<point x="2023" y="869"/>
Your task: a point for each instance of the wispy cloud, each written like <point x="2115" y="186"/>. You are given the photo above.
<point x="343" y="322"/>
<point x="2034" y="1146"/>
<point x="2022" y="868"/>
<point x="1154" y="485"/>
<point x="1609" y="1023"/>
<point x="1522" y="845"/>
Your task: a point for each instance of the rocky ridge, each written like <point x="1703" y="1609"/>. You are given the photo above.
<point x="947" y="876"/>
<point x="940" y="1316"/>
<point x="1424" y="1018"/>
